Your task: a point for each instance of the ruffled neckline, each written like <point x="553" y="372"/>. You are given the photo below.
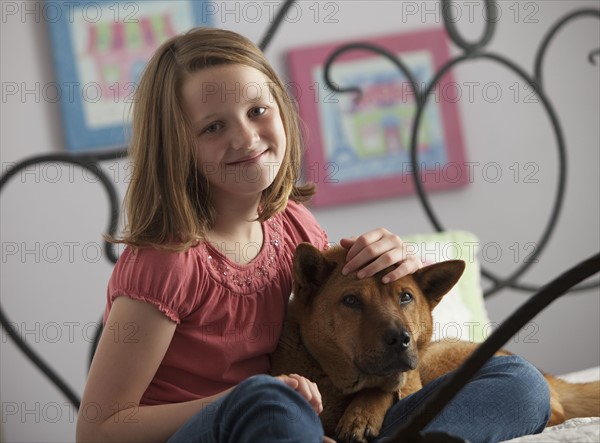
<point x="247" y="277"/>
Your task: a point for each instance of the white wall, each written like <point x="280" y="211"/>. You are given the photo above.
<point x="56" y="304"/>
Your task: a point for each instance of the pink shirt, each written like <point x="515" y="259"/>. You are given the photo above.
<point x="228" y="315"/>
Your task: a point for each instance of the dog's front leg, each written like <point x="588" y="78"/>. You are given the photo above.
<point x="364" y="415"/>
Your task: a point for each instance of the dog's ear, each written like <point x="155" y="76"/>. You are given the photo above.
<point x="437" y="279"/>
<point x="311" y="268"/>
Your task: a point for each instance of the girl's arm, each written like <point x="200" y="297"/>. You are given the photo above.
<point x="135" y="339"/>
<point x="134" y="342"/>
<point x="374" y="251"/>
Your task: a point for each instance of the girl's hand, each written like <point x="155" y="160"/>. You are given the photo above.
<point x="305" y="388"/>
<point x="374" y="251"/>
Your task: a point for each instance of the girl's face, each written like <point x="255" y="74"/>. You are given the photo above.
<point x="239" y="137"/>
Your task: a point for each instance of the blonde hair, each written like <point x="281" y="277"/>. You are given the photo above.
<point x="167" y="204"/>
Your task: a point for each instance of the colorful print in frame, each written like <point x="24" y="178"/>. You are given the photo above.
<point x="359" y="150"/>
<point x="100" y="48"/>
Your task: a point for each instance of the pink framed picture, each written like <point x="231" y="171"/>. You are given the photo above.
<point x="359" y="150"/>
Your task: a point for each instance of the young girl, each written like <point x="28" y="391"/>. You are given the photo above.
<point x="197" y="299"/>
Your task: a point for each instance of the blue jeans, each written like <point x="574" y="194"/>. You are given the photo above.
<point x="507" y="398"/>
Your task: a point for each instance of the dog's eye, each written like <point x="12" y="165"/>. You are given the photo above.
<point x="405" y="297"/>
<point x="352" y="301"/>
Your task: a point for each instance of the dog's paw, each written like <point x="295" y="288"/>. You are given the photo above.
<point x="363" y="417"/>
<point x="358" y="425"/>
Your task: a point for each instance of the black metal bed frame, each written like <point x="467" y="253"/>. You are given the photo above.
<point x="411" y="430"/>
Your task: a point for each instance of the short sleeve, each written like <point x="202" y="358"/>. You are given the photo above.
<point x="303" y="227"/>
<point x="168" y="280"/>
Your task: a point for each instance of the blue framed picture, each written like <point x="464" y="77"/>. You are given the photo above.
<point x="99" y="49"/>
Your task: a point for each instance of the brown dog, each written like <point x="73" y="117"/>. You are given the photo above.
<point x="365" y="343"/>
<point x="357" y="339"/>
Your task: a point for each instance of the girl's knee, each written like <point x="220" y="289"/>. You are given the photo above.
<point x="520" y="374"/>
<point x="265" y="388"/>
<point x="263" y="384"/>
<point x="260" y="381"/>
<point x="526" y="385"/>
<point x="277" y="408"/>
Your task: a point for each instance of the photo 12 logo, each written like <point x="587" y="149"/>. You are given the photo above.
<point x="254" y="12"/>
<point x="69" y="11"/>
<point x="470" y="11"/>
<point x="68" y="92"/>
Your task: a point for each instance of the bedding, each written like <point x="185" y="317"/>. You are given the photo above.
<point x="576" y="430"/>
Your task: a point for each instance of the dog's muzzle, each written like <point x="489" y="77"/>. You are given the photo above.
<point x="398" y="340"/>
<point x="394" y="355"/>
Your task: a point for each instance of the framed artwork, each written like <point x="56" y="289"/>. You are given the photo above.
<point x="99" y="49"/>
<point x="359" y="150"/>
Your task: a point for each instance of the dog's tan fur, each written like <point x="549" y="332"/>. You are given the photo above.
<point x="365" y="343"/>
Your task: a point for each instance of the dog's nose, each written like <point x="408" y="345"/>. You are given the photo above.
<point x="399" y="340"/>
